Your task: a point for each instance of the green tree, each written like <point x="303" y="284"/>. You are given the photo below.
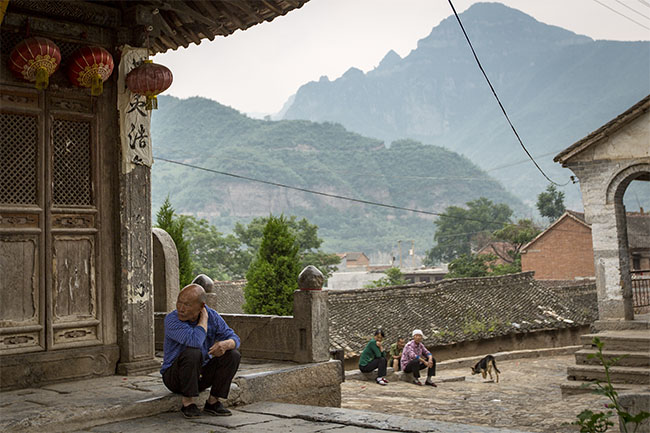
<point x="273" y="275"/>
<point x="550" y="203"/>
<point x="218" y="256"/>
<point x="175" y="226"/>
<point x="394" y="277"/>
<point x="470" y="265"/>
<point x="306" y="238"/>
<point x="460" y="230"/>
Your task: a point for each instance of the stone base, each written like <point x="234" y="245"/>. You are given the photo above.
<point x="138" y="367"/>
<point x="620" y="325"/>
<point x="42" y="368"/>
<point x="317" y="384"/>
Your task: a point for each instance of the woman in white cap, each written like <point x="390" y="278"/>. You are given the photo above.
<point x="416" y="357"/>
<point x="374" y="357"/>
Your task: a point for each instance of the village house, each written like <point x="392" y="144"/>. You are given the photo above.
<point x="564" y="250"/>
<point x="76" y="287"/>
<point x="354" y="260"/>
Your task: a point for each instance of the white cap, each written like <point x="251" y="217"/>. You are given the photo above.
<point x="418" y="331"/>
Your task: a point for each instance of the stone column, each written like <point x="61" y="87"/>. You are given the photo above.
<point x="311" y="317"/>
<point x="606" y="215"/>
<point x="135" y="322"/>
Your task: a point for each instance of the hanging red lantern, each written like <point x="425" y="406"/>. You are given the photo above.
<point x="149" y="79"/>
<point x="90" y="66"/>
<point x="35" y="59"/>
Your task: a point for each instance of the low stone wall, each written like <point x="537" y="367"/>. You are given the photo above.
<point x="264" y="337"/>
<point x="544" y="339"/>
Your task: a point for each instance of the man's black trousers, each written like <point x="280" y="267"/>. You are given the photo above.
<point x="188" y="377"/>
<point x="415" y="366"/>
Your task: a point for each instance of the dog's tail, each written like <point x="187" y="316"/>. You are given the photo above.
<point x="494" y="364"/>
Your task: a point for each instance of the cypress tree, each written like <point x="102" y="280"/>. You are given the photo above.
<point x="166" y="220"/>
<point x="273" y="275"/>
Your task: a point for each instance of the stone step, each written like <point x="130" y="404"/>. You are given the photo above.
<point x="627" y="359"/>
<point x="636" y="375"/>
<point x="640" y="322"/>
<point x="572" y="387"/>
<point x="627" y="340"/>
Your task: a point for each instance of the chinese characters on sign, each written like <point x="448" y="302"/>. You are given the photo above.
<point x="135" y="120"/>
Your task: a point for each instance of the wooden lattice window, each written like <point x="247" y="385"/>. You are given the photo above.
<point x="18" y="159"/>
<point x="72" y="173"/>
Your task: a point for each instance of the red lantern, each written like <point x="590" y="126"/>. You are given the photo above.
<point x="35" y="59"/>
<point x="90" y="66"/>
<point x="149" y="79"/>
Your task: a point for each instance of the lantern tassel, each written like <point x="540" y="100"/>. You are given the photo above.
<point x="42" y="78"/>
<point x="152" y="103"/>
<point x="96" y="85"/>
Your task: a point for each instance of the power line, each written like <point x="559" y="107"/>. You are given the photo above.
<point x="623" y="15"/>
<point x="336" y="196"/>
<point x="632" y="9"/>
<point x="497" y="98"/>
<point x="644" y="3"/>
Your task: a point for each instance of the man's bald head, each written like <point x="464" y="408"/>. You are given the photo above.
<point x="190" y="302"/>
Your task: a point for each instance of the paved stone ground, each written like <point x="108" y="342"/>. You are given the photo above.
<point x="527" y="397"/>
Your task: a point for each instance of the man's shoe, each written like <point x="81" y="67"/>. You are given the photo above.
<point x="190" y="411"/>
<point x="216" y="409"/>
<point x="417" y="382"/>
<point x="430" y="383"/>
<point x="381" y="381"/>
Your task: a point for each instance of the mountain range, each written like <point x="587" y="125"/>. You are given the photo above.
<point x="319" y="156"/>
<point x="557" y="86"/>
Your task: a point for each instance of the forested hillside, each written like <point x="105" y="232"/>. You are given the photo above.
<point x="318" y="156"/>
<point x="557" y="87"/>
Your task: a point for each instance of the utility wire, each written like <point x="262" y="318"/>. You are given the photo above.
<point x="340" y="197"/>
<point x="632" y="9"/>
<point x="644" y="3"/>
<point x="497" y="98"/>
<point x="623" y="15"/>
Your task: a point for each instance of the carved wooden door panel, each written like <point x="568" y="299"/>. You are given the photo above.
<point x="22" y="222"/>
<point x="48" y="227"/>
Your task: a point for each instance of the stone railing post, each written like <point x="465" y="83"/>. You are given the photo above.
<point x="311" y="317"/>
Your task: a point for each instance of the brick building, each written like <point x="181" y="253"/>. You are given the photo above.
<point x="564" y="251"/>
<point x="561" y="252"/>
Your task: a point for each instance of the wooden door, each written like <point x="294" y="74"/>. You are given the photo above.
<point x="49" y="222"/>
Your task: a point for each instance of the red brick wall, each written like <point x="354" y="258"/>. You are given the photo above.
<point x="563" y="253"/>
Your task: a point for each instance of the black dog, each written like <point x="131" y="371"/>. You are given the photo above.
<point x="485" y="367"/>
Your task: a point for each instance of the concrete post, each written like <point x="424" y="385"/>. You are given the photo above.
<point x="311" y="317"/>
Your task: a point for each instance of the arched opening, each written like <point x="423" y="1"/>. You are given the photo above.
<point x="629" y="191"/>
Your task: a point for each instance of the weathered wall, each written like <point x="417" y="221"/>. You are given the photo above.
<point x="563" y="253"/>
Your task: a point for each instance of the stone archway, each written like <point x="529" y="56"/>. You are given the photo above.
<point x="606" y="162"/>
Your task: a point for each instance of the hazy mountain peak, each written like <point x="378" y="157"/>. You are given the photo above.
<point x="391" y="58"/>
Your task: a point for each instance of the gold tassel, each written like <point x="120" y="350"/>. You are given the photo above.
<point x="96" y="85"/>
<point x="42" y="78"/>
<point x="152" y="103"/>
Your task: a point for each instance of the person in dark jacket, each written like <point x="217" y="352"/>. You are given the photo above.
<point x="374" y="357"/>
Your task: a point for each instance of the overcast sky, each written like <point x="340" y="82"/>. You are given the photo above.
<point x="256" y="70"/>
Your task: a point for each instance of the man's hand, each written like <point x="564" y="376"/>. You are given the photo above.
<point x="220" y="347"/>
<point x="429" y="363"/>
<point x="203" y="319"/>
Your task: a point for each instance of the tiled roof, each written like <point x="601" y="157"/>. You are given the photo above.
<point x="613" y="125"/>
<point x="453" y="310"/>
<point x="229" y="296"/>
<point x="638" y="230"/>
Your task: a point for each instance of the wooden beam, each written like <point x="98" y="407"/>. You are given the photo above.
<point x="181" y="8"/>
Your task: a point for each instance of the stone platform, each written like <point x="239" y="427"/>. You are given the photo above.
<point x="282" y="418"/>
<point x="77" y="405"/>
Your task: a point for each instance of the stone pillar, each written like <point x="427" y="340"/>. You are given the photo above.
<point x="311" y="317"/>
<point x="135" y="327"/>
<point x="135" y="321"/>
<point x="165" y="281"/>
<point x="611" y="262"/>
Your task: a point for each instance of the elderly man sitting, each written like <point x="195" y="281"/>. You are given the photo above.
<point x="200" y="352"/>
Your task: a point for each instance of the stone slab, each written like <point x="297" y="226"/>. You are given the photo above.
<point x="363" y="419"/>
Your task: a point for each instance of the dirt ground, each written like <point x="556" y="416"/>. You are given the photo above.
<point x="527" y="397"/>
